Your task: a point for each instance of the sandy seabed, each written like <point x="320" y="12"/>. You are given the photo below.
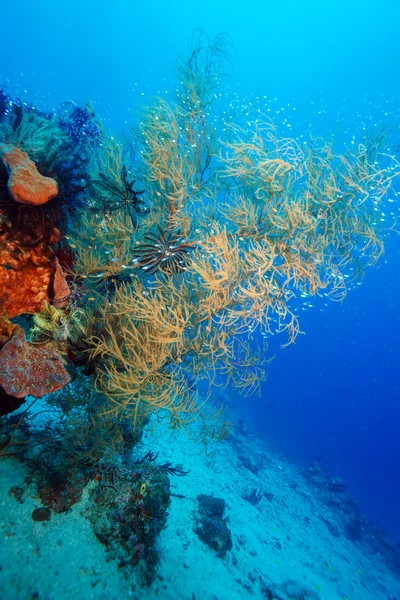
<point x="284" y="537"/>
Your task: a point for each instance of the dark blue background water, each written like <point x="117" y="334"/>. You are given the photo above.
<point x="335" y="393"/>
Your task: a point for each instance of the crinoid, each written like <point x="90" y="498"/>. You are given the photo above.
<point x="121" y="195"/>
<point x="165" y="252"/>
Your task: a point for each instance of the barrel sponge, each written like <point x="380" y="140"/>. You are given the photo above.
<point x="25" y="184"/>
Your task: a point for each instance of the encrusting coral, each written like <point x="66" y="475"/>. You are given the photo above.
<point x="27" y="369"/>
<point x="30" y="274"/>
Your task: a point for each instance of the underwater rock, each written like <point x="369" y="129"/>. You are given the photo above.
<point x="290" y="590"/>
<point x="268" y="495"/>
<point x="129" y="509"/>
<point x="41" y="514"/>
<point x="16" y="493"/>
<point x="25" y="184"/>
<point x="314" y="474"/>
<point x="248" y="464"/>
<point x="60" y="489"/>
<point x="332" y="527"/>
<point x="336" y="485"/>
<point x="252" y="495"/>
<point x="26" y="369"/>
<point x="210" y="506"/>
<point x="355" y="526"/>
<point x="210" y="525"/>
<point x="55" y="469"/>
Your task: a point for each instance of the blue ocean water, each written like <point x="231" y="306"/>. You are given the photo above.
<point x="318" y="66"/>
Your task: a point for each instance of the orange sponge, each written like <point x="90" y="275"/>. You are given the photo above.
<point x="25" y="184"/>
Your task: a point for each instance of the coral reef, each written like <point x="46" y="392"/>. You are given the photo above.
<point x="210" y="525"/>
<point x="129" y="509"/>
<point x="151" y="264"/>
<point x="39" y="190"/>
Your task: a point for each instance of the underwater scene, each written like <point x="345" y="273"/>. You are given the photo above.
<point x="199" y="300"/>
